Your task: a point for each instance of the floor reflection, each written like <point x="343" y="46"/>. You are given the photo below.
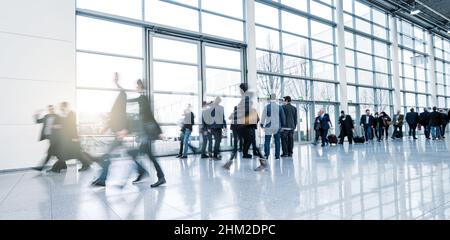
<point x="394" y="180"/>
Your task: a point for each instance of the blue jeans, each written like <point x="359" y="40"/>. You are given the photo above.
<point x="267" y="139"/>
<point x="186" y="136"/>
<point x="368" y="132"/>
<point x="435" y="132"/>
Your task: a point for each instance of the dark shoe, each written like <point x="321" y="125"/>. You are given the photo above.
<point x="183" y="157"/>
<point x="98" y="183"/>
<point x="204" y="156"/>
<point x="179" y="156"/>
<point x="262" y="165"/>
<point x="290" y="155"/>
<point x="158" y="183"/>
<point x="139" y="178"/>
<point x="247" y="156"/>
<point x="277" y="158"/>
<point x="217" y="158"/>
<point x="84" y="168"/>
<point x="284" y="155"/>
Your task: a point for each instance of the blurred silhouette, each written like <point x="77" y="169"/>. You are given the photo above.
<point x="148" y="131"/>
<point x="49" y="132"/>
<point x="187" y="122"/>
<point x="118" y="124"/>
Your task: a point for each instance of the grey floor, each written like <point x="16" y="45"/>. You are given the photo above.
<point x="394" y="180"/>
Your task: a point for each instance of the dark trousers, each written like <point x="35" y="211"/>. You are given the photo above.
<point x="217" y="133"/>
<point x="412" y="130"/>
<point x="236" y="140"/>
<point x="443" y="129"/>
<point x="379" y="131"/>
<point x="386" y="131"/>
<point x="146" y="148"/>
<point x="317" y="135"/>
<point x="206" y="140"/>
<point x="323" y="135"/>
<point x="248" y="134"/>
<point x="398" y="131"/>
<point x="348" y="134"/>
<point x="287" y="142"/>
<point x="52" y="150"/>
<point x="426" y="131"/>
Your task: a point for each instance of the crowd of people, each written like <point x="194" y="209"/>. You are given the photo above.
<point x="277" y="120"/>
<point x="433" y="122"/>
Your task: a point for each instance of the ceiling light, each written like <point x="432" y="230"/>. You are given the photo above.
<point x="415" y="12"/>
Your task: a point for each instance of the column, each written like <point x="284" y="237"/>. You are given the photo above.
<point x="341" y="56"/>
<point x="432" y="71"/>
<point x="395" y="65"/>
<point x="251" y="43"/>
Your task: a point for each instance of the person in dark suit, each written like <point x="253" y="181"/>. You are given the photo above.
<point x="444" y="122"/>
<point x="70" y="147"/>
<point x="378" y="125"/>
<point x="49" y="132"/>
<point x="367" y="121"/>
<point x="149" y="131"/>
<point x="398" y="125"/>
<point x="287" y="135"/>
<point x="325" y="125"/>
<point x="435" y="124"/>
<point x="217" y="122"/>
<point x="412" y="118"/>
<point x="424" y="119"/>
<point x="387" y="121"/>
<point x="346" y="128"/>
<point x="316" y="127"/>
<point x="205" y="133"/>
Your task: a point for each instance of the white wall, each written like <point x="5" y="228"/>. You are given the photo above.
<point x="37" y="68"/>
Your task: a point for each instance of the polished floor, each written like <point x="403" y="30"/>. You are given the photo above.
<point x="393" y="180"/>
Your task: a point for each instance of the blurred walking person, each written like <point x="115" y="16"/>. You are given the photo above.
<point x="287" y="134"/>
<point x="272" y="121"/>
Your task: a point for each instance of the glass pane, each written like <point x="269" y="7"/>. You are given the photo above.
<point x="105" y="36"/>
<point x="266" y="15"/>
<point x="220" y="57"/>
<point x="223" y="27"/>
<point x="175" y="77"/>
<point x="324" y="91"/>
<point x="125" y="8"/>
<point x="321" y="32"/>
<point x="167" y="49"/>
<point x="267" y="39"/>
<point x="321" y="10"/>
<point x="169" y="107"/>
<point x="222" y="82"/>
<point x="163" y="13"/>
<point x="323" y="70"/>
<point x="232" y="8"/>
<point x="321" y="51"/>
<point x="268" y="84"/>
<point x="295" y="45"/>
<point x="366" y="95"/>
<point x="97" y="71"/>
<point x="298" y="4"/>
<point x="296" y="66"/>
<point x="297" y="89"/>
<point x="267" y="61"/>
<point x="294" y="23"/>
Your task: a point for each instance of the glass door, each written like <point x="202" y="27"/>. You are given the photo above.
<point x="304" y="132"/>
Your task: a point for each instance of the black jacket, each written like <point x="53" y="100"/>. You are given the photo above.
<point x="44" y="121"/>
<point x="118" y="115"/>
<point x="435" y="119"/>
<point x="378" y="122"/>
<point x="444" y="119"/>
<point x="424" y="118"/>
<point x="363" y="120"/>
<point x="412" y="118"/>
<point x="151" y="126"/>
<point x="346" y="123"/>
<point x="290" y="113"/>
